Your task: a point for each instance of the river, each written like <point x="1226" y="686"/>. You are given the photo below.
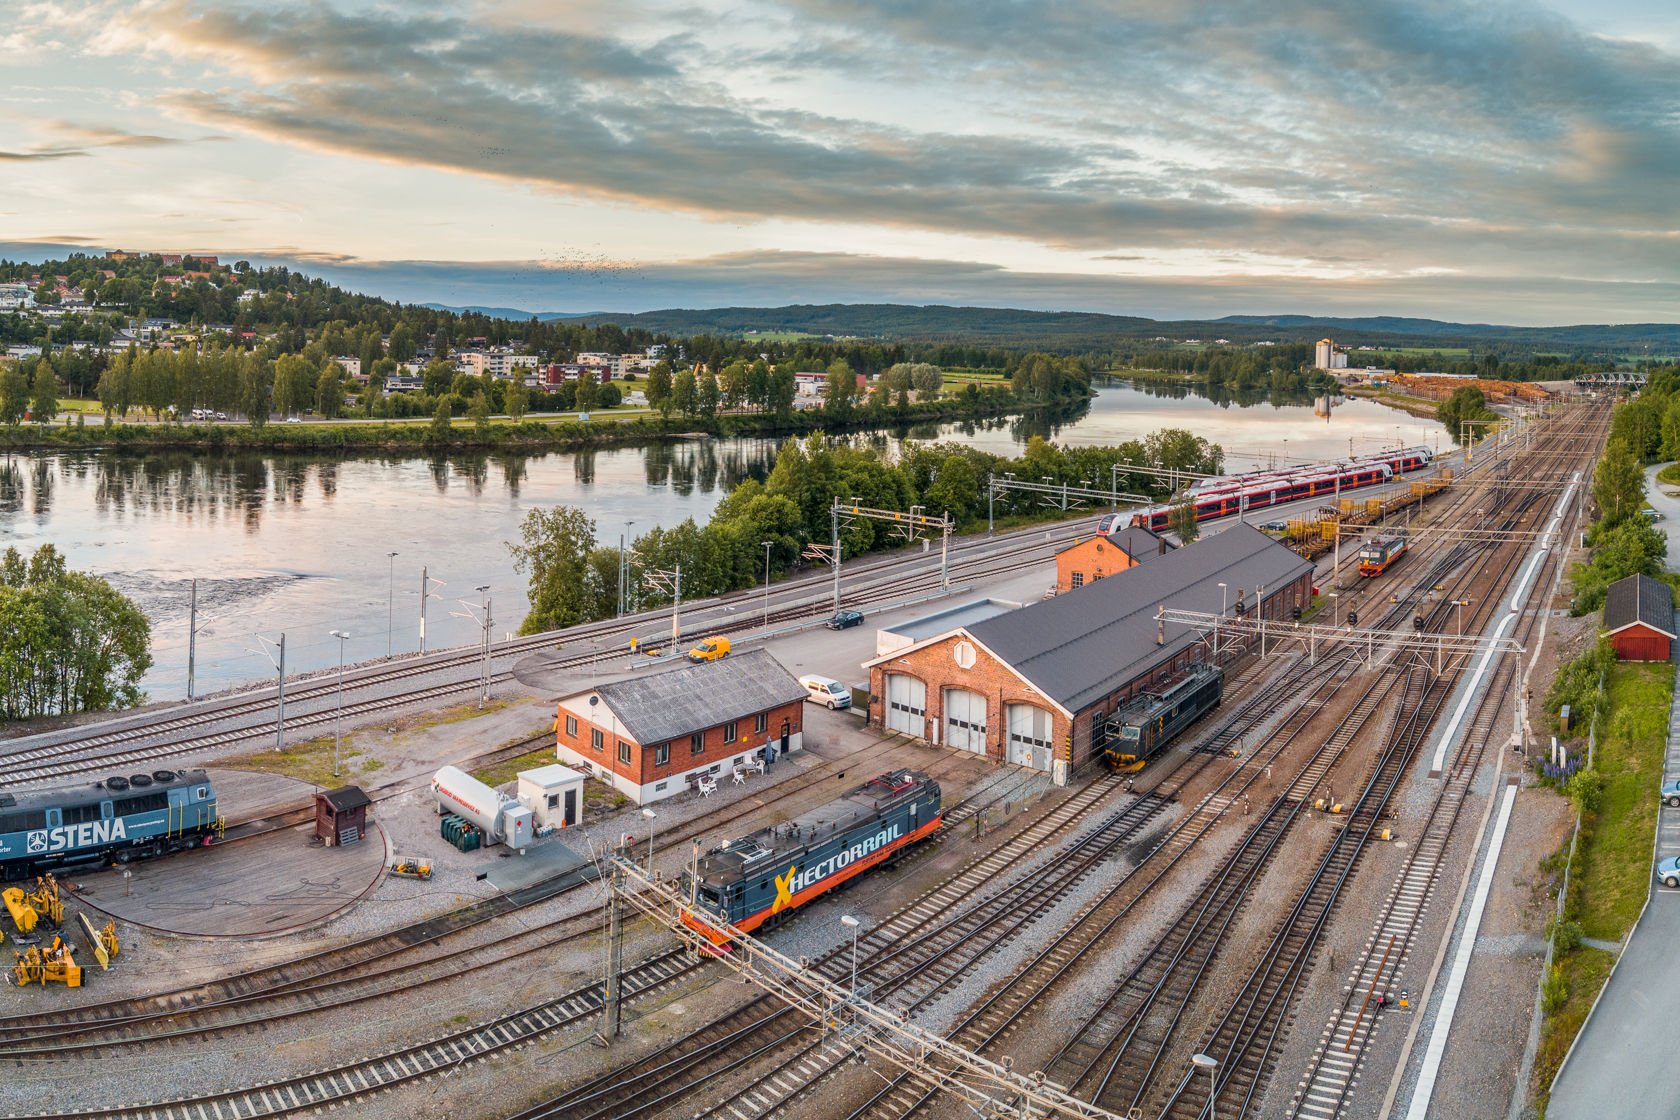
<point x="301" y="544"/>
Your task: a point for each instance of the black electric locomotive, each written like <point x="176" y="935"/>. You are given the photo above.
<point x="766" y="876"/>
<point x="1138" y="730"/>
<point x="119" y="818"/>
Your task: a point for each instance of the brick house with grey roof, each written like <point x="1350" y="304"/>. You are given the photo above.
<point x="1033" y="686"/>
<point x="656" y="735"/>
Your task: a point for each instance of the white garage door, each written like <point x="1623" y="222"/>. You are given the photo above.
<point x="965" y="720"/>
<point x="906" y="704"/>
<point x="1029" y="736"/>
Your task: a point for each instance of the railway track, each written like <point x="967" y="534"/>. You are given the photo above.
<point x="137" y="741"/>
<point x="416" y="954"/>
<point x="1332" y="1073"/>
<point x="357" y="1080"/>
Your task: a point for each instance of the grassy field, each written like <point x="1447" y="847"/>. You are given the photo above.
<point x="1616" y="856"/>
<point x="1670" y="474"/>
<point x="1584" y="973"/>
<point x="1611" y="877"/>
<point x="1409" y="352"/>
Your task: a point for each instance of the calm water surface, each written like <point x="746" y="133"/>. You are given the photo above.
<point x="300" y="544"/>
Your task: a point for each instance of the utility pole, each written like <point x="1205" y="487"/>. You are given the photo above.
<point x="669" y="579"/>
<point x="279" y="664"/>
<point x="192" y="638"/>
<point x="612" y="990"/>
<point x="425" y="593"/>
<point x="390" y="600"/>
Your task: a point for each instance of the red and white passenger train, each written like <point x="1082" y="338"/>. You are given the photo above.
<point x="1221" y="497"/>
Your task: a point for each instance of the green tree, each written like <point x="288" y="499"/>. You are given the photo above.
<point x="926" y="378"/>
<point x="71" y="642"/>
<point x="659" y="388"/>
<point x="256" y="389"/>
<point x="1183" y="521"/>
<point x="329" y="392"/>
<point x="707" y="395"/>
<point x="401" y="348"/>
<point x="517" y="399"/>
<point x="441" y="422"/>
<point x="479" y="413"/>
<point x="44" y="393"/>
<point x="685" y="394"/>
<point x="46" y="294"/>
<point x="14" y="394"/>
<point x="553" y="555"/>
<point x="1618" y="484"/>
<point x="588" y="390"/>
<point x="1466" y="404"/>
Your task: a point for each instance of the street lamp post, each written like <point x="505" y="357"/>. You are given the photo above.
<point x="623" y="572"/>
<point x="767" y="545"/>
<point x="1203" y="1061"/>
<point x="851" y="923"/>
<point x="1461" y="604"/>
<point x="1335" y="608"/>
<point x="338" y="715"/>
<point x="650" y="815"/>
<point x="390" y="601"/>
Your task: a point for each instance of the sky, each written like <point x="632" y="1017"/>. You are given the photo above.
<point x="1474" y="161"/>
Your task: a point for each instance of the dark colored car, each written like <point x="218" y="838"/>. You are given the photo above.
<point x="845" y="620"/>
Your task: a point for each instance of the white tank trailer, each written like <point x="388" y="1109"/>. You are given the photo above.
<point x="504" y="820"/>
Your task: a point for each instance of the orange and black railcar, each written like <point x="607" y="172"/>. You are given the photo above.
<point x="764" y="878"/>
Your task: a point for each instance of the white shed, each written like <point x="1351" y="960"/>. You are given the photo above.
<point x="554" y="794"/>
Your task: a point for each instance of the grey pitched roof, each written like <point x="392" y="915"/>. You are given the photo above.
<point x="1639" y="598"/>
<point x="1083" y="644"/>
<point x="345" y="798"/>
<point x="677" y="702"/>
<point x="1140" y="544"/>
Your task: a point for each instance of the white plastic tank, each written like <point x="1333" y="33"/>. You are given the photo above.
<point x="459" y="792"/>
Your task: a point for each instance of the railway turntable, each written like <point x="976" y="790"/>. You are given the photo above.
<point x="259" y="884"/>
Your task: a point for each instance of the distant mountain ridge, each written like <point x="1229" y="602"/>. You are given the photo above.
<point x="1088" y="328"/>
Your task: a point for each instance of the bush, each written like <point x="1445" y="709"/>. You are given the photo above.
<point x="1565" y="936"/>
<point x="1555" y="992"/>
<point x="1586" y="790"/>
<point x="1577" y="684"/>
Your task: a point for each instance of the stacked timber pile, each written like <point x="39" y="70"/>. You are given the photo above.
<point x="1440" y="388"/>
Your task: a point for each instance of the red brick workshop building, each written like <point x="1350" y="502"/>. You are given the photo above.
<point x="656" y="735"/>
<point x="1639" y="619"/>
<point x="1033" y="686"/>
<point x="1089" y="560"/>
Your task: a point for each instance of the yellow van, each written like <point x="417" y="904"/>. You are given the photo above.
<point x="711" y="649"/>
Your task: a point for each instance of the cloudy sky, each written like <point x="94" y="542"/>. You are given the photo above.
<point x="1508" y="162"/>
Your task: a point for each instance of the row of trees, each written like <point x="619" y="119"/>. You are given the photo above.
<point x="71" y="642"/>
<point x="574" y="577"/>
<point x="1622" y="540"/>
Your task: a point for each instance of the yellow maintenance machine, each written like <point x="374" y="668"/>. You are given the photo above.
<point x="412" y="868"/>
<point x="103" y="941"/>
<point x="55" y="963"/>
<point x="29" y="908"/>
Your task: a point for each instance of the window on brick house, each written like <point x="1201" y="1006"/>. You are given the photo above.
<point x="696" y="743"/>
<point x="623" y="751"/>
<point x="571" y="727"/>
<point x="662" y="754"/>
<point x="1078" y="579"/>
<point x="730" y="732"/>
<point x="761" y="722"/>
<point x="595" y="738"/>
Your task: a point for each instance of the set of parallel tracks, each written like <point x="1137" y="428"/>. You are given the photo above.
<point x="133" y="741"/>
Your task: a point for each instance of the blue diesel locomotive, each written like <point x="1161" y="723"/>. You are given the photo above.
<point x="119" y="818"/>
<point x="762" y="878"/>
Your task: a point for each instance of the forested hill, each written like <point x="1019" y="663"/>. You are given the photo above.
<point x="1077" y="330"/>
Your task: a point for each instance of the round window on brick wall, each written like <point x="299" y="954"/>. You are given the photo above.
<point x="963" y="655"/>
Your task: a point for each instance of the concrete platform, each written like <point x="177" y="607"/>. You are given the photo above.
<point x="266" y="886"/>
<point x="546" y="859"/>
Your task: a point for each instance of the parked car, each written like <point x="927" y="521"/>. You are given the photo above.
<point x="826" y="691"/>
<point x="1651" y="513"/>
<point x="712" y="649"/>
<point x="1668" y="870"/>
<point x="1671" y="793"/>
<point x="1275" y="528"/>
<point x="845" y="620"/>
<point x="221" y="416"/>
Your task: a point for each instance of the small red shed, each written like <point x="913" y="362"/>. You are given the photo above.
<point x="341" y="815"/>
<point x="1639" y="619"/>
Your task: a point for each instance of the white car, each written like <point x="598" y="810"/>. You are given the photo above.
<point x="826" y="691"/>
